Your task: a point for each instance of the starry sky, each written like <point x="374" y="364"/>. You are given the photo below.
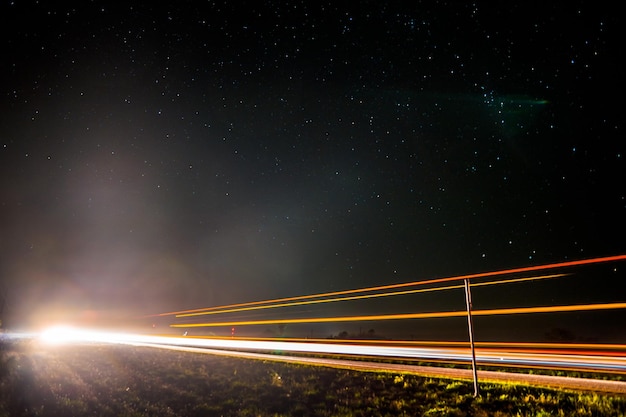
<point x="166" y="155"/>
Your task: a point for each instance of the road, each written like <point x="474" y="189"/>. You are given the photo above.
<point x="604" y="358"/>
<point x="583" y="384"/>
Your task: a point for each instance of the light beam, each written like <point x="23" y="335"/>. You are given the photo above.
<point x="444" y="314"/>
<point x="410" y="284"/>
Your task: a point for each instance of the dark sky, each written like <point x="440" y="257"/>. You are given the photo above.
<point x="161" y="156"/>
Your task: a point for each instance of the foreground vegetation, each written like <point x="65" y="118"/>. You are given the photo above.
<point x="111" y="380"/>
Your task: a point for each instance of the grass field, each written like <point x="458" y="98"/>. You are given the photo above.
<point x="115" y="380"/>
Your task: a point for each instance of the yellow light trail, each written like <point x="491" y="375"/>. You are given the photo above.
<point x="410" y="284"/>
<point x="444" y="314"/>
<point x="365" y="296"/>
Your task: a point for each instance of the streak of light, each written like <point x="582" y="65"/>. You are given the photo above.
<point x="411" y="284"/>
<point x="598" y="347"/>
<point x="444" y="314"/>
<point x="577" y="361"/>
<point x="517" y="347"/>
<point x="365" y="296"/>
<point x="591" y="346"/>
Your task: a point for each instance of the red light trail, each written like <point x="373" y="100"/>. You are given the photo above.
<point x="444" y="314"/>
<point x="533" y="268"/>
<point x="362" y="297"/>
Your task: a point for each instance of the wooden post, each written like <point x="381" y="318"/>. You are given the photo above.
<point x="468" y="302"/>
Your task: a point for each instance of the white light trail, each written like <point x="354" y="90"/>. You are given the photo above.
<point x="570" y="361"/>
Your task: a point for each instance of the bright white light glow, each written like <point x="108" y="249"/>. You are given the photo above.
<point x="59" y="335"/>
<point x="67" y="334"/>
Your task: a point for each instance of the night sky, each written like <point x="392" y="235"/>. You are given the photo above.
<point x="159" y="156"/>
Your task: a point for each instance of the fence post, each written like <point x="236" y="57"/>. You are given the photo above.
<point x="468" y="302"/>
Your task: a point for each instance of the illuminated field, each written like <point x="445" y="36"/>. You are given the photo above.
<point x="72" y="370"/>
<point x="115" y="380"/>
<point x="177" y="365"/>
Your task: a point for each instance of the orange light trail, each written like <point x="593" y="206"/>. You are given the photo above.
<point x="410" y="284"/>
<point x="366" y="296"/>
<point x="444" y="314"/>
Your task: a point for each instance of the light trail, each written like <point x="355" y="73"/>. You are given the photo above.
<point x="366" y="296"/>
<point x="444" y="314"/>
<point x="574" y="360"/>
<point x="615" y="350"/>
<point x="597" y="347"/>
<point x="533" y="268"/>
